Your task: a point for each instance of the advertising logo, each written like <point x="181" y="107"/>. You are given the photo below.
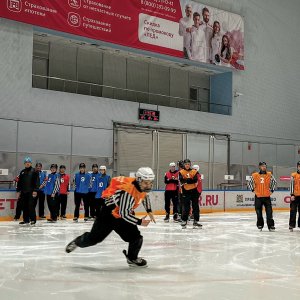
<point x="239" y="198"/>
<point x="75" y="3"/>
<point x="74" y="19"/>
<point x="14" y="5"/>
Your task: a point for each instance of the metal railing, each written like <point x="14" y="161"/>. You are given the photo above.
<point x="112" y="92"/>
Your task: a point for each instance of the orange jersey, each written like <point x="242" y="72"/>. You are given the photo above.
<point x="262" y="184"/>
<point x="295" y="184"/>
<point x="190" y="174"/>
<point x="123" y="184"/>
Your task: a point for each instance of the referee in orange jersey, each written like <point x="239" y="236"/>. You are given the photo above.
<point x="263" y="184"/>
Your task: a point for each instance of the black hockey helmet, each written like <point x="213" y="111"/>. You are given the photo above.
<point x="262" y="163"/>
<point x="298" y="163"/>
<point x="54" y="166"/>
<point x="186" y="161"/>
<point x="180" y="164"/>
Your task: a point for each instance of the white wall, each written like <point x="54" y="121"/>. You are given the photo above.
<point x="270" y="105"/>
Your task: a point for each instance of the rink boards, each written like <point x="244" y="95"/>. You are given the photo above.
<point x="210" y="201"/>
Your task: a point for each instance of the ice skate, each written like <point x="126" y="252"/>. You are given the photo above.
<point x="75" y="220"/>
<point x="175" y="218"/>
<point x="167" y="218"/>
<point x="32" y="223"/>
<point x="51" y="221"/>
<point x="260" y="228"/>
<point x="86" y="219"/>
<point x="272" y="228"/>
<point x="291" y="229"/>
<point x="24" y="223"/>
<point x="71" y="247"/>
<point x="183" y="224"/>
<point x="197" y="225"/>
<point x="139" y="262"/>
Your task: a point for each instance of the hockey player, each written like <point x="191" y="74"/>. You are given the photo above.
<point x="295" y="198"/>
<point x="102" y="183"/>
<point x="171" y="192"/>
<point x="93" y="190"/>
<point x="52" y="186"/>
<point x="263" y="184"/>
<point x="188" y="180"/>
<point x="82" y="183"/>
<point x="27" y="187"/>
<point x="121" y="198"/>
<point x="64" y="180"/>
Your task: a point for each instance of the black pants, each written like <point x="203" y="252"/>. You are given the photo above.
<point x="41" y="200"/>
<point x="77" y="199"/>
<point x="171" y="195"/>
<point x="19" y="208"/>
<point x="62" y="204"/>
<point x="294" y="207"/>
<point x="180" y="204"/>
<point x="52" y="205"/>
<point x="28" y="207"/>
<point x="93" y="203"/>
<point x="104" y="224"/>
<point x="259" y="203"/>
<point x="189" y="197"/>
<point x="185" y="54"/>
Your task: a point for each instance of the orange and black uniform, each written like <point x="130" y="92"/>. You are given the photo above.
<point x="121" y="198"/>
<point x="263" y="185"/>
<point x="188" y="180"/>
<point x="295" y="205"/>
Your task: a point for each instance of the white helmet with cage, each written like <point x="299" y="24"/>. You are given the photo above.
<point x="144" y="173"/>
<point x="172" y="164"/>
<point x="102" y="168"/>
<point x="196" y="167"/>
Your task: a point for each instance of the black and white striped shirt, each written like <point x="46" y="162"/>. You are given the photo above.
<point x="126" y="202"/>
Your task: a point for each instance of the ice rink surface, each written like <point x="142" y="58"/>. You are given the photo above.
<point x="227" y="259"/>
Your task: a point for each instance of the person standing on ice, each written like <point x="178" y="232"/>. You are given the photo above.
<point x="171" y="192"/>
<point x="27" y="188"/>
<point x="188" y="180"/>
<point x="122" y="197"/>
<point x="263" y="184"/>
<point x="295" y="198"/>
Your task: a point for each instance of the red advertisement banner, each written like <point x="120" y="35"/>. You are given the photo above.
<point x="152" y="25"/>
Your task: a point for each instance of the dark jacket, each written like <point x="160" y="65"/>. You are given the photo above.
<point x="29" y="181"/>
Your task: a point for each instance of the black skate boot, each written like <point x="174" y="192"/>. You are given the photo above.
<point x="272" y="228"/>
<point x="86" y="219"/>
<point x="197" y="225"/>
<point x="139" y="262"/>
<point x="183" y="224"/>
<point x="291" y="228"/>
<point x="75" y="220"/>
<point x="175" y="218"/>
<point x="32" y="223"/>
<point x="24" y="223"/>
<point x="167" y="218"/>
<point x="71" y="247"/>
<point x="260" y="228"/>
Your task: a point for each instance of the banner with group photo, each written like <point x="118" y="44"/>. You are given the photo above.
<point x="177" y="28"/>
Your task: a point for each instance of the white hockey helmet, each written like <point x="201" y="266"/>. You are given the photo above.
<point x="195" y="167"/>
<point x="144" y="173"/>
<point x="102" y="168"/>
<point x="172" y="164"/>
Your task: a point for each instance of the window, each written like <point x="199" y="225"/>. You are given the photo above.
<point x="68" y="66"/>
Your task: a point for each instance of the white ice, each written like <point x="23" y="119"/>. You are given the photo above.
<point x="227" y="259"/>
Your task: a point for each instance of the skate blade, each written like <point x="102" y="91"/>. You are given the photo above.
<point x="137" y="267"/>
